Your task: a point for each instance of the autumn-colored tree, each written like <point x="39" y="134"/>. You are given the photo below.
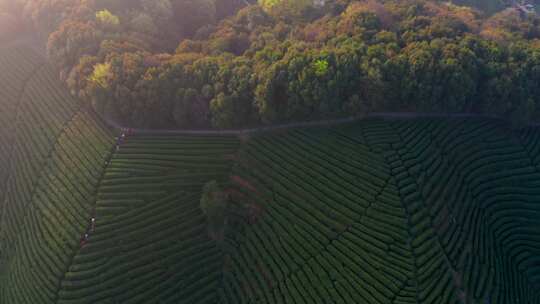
<point x="107" y="20"/>
<point x="71" y="41"/>
<point x="79" y="77"/>
<point x="173" y="63"/>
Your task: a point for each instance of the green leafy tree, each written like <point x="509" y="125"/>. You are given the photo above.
<point x="321" y="67"/>
<point x="79" y="77"/>
<point x="107" y="19"/>
<point x="222" y="107"/>
<point x="183" y="112"/>
<point x="291" y="4"/>
<point x="102" y="75"/>
<point x="99" y="87"/>
<point x="268" y="4"/>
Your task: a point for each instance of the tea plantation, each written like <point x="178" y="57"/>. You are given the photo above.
<point x="378" y="211"/>
<point x="390" y="212"/>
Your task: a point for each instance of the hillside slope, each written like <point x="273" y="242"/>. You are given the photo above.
<point x="61" y="169"/>
<point x="150" y="243"/>
<point x="53" y="155"/>
<point x="379" y="211"/>
<point x="428" y="211"/>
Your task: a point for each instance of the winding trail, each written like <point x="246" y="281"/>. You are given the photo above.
<point x="318" y="123"/>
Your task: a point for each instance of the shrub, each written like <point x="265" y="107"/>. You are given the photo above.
<point x="213" y="205"/>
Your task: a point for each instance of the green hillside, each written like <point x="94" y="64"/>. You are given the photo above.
<point x="150" y="242"/>
<point x="378" y="211"/>
<point x="410" y="212"/>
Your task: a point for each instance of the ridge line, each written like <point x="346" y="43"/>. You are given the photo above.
<point x="92" y="212"/>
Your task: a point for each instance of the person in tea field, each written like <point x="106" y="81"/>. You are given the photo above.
<point x="84" y="240"/>
<point x="93" y="224"/>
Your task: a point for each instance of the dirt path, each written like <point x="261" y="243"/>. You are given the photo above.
<point x="319" y="123"/>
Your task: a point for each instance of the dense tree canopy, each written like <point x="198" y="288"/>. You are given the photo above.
<point x="175" y="63"/>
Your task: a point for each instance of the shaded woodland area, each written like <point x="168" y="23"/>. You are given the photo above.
<point x="231" y="63"/>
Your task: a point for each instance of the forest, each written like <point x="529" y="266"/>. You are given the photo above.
<point x="234" y="63"/>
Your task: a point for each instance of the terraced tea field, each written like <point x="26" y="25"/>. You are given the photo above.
<point x="403" y="212"/>
<point x="150" y="243"/>
<point x="378" y="211"/>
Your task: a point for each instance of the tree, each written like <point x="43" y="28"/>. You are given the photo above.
<point x="72" y="41"/>
<point x="102" y="75"/>
<point x="222" y="107"/>
<point x="183" y="105"/>
<point x="143" y="23"/>
<point x="363" y="18"/>
<point x="191" y="15"/>
<point x="107" y="19"/>
<point x="293" y="6"/>
<point x="46" y="16"/>
<point x="213" y="205"/>
<point x="321" y="67"/>
<point x="225" y="8"/>
<point x="159" y="10"/>
<point x="284" y="60"/>
<point x="79" y="77"/>
<point x="99" y="86"/>
<point x="232" y="105"/>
